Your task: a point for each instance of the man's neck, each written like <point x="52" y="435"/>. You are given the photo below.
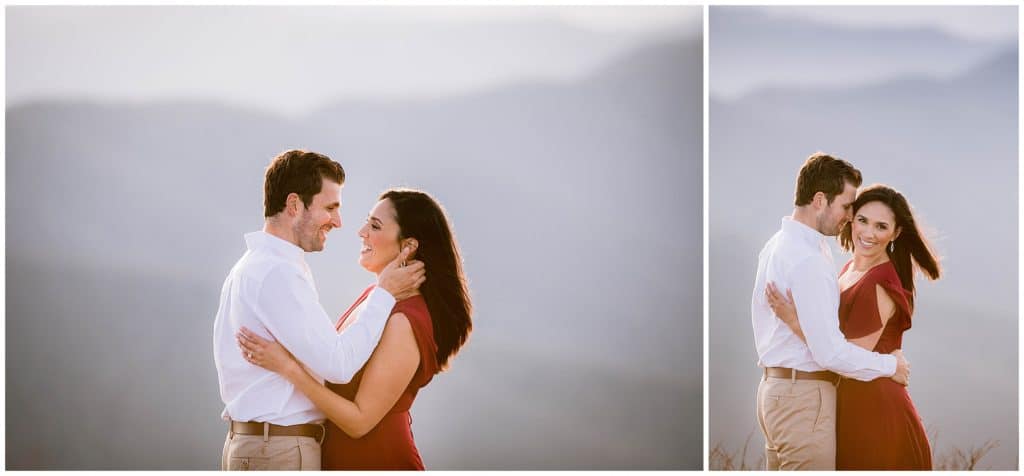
<point x="806" y="216"/>
<point x="271" y="227"/>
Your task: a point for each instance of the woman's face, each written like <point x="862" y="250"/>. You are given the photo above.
<point x="874" y="226"/>
<point x="380" y="237"/>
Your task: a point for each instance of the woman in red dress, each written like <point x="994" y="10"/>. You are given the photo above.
<point x="370" y="426"/>
<point x="877" y="426"/>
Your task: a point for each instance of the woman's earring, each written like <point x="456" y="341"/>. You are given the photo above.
<point x="892" y="246"/>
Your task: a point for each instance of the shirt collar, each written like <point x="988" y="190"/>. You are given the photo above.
<point x="261" y="240"/>
<point x="806" y="233"/>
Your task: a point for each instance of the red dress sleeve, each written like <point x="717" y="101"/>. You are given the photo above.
<point x="890" y="282"/>
<point x="863" y="314"/>
<point x="864" y="318"/>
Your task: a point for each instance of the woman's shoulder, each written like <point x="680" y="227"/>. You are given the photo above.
<point x="885" y="275"/>
<point x="415" y="304"/>
<point x="888" y="279"/>
<point x="415" y="310"/>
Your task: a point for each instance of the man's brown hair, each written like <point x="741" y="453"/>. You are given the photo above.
<point x="824" y="173"/>
<point x="297" y="171"/>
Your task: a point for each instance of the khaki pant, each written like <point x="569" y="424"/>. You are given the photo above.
<point x="254" y="453"/>
<point x="798" y="419"/>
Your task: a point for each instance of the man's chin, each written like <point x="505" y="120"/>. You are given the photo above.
<point x="313" y="247"/>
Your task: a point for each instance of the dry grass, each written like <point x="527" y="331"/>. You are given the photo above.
<point x="952" y="459"/>
<point x="959" y="459"/>
<point x="725" y="460"/>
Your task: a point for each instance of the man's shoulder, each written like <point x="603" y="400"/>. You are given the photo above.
<point x="769" y="249"/>
<point x="782" y="245"/>
<point x="792" y="254"/>
<point x="258" y="266"/>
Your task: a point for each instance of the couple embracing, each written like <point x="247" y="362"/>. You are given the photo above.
<point x="275" y="346"/>
<point x="833" y="389"/>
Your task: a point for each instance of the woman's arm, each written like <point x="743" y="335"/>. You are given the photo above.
<point x="784" y="309"/>
<point x="387" y="374"/>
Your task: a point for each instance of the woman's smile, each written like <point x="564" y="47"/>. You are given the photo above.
<point x="867" y="243"/>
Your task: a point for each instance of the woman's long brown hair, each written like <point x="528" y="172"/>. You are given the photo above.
<point x="446" y="291"/>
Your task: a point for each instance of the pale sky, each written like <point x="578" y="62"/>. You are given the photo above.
<point x="295" y="59"/>
<point x="970" y="22"/>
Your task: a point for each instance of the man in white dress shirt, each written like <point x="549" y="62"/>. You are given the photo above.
<point x="796" y="398"/>
<point x="271" y="291"/>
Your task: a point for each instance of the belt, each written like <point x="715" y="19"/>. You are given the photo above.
<point x="312" y="430"/>
<point x="782" y="372"/>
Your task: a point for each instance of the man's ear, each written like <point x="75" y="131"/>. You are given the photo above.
<point x="292" y="204"/>
<point x="820" y="200"/>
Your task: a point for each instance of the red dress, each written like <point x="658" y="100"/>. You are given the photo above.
<point x="877" y="426"/>
<point x="389" y="445"/>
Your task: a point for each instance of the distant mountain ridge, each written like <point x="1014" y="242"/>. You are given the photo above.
<point x="256" y="55"/>
<point x="995" y="70"/>
<point x="751" y="50"/>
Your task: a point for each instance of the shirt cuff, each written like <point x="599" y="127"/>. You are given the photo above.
<point x="381" y="296"/>
<point x="889" y="365"/>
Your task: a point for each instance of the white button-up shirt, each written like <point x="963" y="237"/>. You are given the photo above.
<point x="271" y="291"/>
<point x="798" y="258"/>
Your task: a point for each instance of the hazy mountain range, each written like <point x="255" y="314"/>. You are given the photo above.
<point x="576" y="204"/>
<point x="950" y="145"/>
<point x="296" y="59"/>
<point x="750" y="50"/>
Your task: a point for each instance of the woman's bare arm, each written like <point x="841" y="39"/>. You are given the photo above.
<point x="385" y="377"/>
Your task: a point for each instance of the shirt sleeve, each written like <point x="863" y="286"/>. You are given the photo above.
<point x="288" y="307"/>
<point x="816" y="297"/>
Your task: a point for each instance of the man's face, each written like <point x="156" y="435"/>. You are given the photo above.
<point x="832" y="218"/>
<point x="322" y="216"/>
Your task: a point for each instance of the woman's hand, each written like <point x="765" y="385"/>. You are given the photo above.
<point x="270" y="355"/>
<point x="783" y="307"/>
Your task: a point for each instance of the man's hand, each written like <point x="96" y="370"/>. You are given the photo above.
<point x="402" y="278"/>
<point x="902" y="375"/>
